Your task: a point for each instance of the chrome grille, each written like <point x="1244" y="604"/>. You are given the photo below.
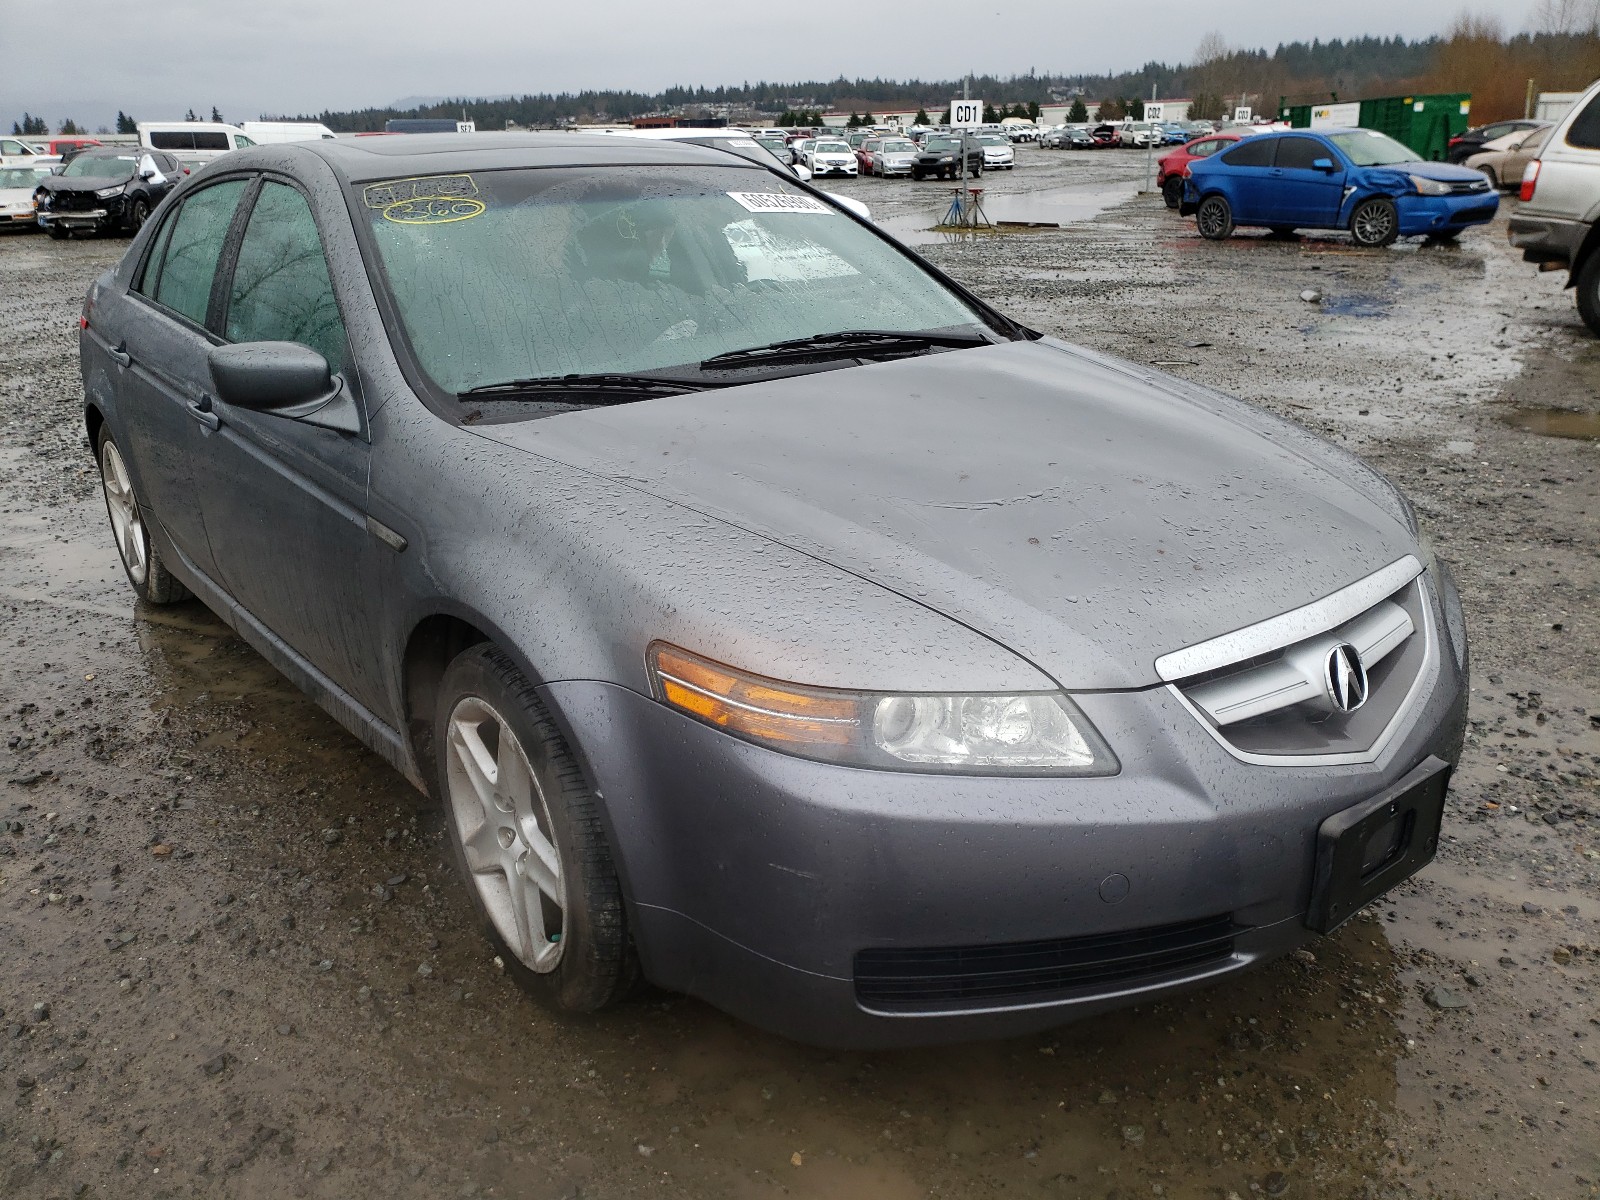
<point x="1278" y="703"/>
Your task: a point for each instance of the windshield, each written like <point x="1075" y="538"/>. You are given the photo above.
<point x="533" y="274"/>
<point x="1369" y="148"/>
<point x="19" y="177"/>
<point x="832" y="148"/>
<point x="941" y="144"/>
<point x="101" y="166"/>
<point x="990" y="139"/>
<point x="898" y="147"/>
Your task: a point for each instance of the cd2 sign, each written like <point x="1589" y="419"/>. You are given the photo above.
<point x="966" y="113"/>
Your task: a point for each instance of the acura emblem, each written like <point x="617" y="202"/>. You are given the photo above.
<point x="1346" y="678"/>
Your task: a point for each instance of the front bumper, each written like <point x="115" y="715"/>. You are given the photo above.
<point x="833" y="169"/>
<point x="1441" y="214"/>
<point x="91" y="218"/>
<point x="1546" y="239"/>
<point x="755" y="879"/>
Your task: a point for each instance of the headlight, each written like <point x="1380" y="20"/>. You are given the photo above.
<point x="1023" y="733"/>
<point x="1429" y="187"/>
<point x="108" y="193"/>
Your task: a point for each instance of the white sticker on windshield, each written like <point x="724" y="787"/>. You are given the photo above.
<point x="779" y="202"/>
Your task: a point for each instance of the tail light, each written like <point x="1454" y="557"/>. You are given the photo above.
<point x="1530" y="178"/>
<point x="88" y="309"/>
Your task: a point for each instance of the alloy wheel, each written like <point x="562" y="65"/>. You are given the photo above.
<point x="503" y="820"/>
<point x="1373" y="224"/>
<point x="122" y="506"/>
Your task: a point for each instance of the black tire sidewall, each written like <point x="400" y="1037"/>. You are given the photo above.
<point x="1227" y="228"/>
<point x="1588" y="288"/>
<point x="1173" y="195"/>
<point x="597" y="963"/>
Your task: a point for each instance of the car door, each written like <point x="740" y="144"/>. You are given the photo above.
<point x="1306" y="194"/>
<point x="1247" y="181"/>
<point x="285" y="501"/>
<point x="160" y="349"/>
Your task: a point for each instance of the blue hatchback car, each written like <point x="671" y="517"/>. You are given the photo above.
<point x="1355" y="179"/>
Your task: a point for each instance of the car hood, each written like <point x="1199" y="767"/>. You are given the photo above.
<point x="1086" y="517"/>
<point x="84" y="183"/>
<point x="1442" y="171"/>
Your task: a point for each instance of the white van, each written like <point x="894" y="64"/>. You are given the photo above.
<point x="268" y="132"/>
<point x="193" y="140"/>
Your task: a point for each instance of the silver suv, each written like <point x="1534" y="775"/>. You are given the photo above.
<point x="1558" y="224"/>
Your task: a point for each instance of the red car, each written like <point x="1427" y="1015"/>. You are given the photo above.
<point x="1170" y="167"/>
<point x="1105" y="136"/>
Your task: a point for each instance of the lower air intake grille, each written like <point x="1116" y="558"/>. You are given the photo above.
<point x="976" y="976"/>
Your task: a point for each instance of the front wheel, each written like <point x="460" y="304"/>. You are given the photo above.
<point x="148" y="574"/>
<point x="1375" y="223"/>
<point x="138" y="214"/>
<point x="527" y="836"/>
<point x="1588" y="288"/>
<point x="58" y="232"/>
<point x="1172" y="192"/>
<point x="1215" y="218"/>
<point x="1494" y="180"/>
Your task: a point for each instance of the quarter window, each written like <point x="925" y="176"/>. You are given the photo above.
<point x="189" y="259"/>
<point x="281" y="291"/>
<point x="1585" y="131"/>
<point x="1253" y="152"/>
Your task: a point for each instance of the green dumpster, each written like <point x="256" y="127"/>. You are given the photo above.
<point x="1425" y="123"/>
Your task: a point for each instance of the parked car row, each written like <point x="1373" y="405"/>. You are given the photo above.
<point x="1131" y="134"/>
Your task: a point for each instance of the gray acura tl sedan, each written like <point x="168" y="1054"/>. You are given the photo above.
<point x="770" y="616"/>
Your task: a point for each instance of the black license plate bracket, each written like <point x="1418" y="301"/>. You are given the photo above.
<point x="1364" y="850"/>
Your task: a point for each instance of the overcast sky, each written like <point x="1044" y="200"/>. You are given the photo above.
<point x="156" y="58"/>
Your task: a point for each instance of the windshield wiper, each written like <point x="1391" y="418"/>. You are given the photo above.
<point x="850" y="343"/>
<point x="585" y="389"/>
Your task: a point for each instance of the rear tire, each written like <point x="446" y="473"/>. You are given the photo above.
<point x="1375" y="223"/>
<point x="527" y="836"/>
<point x="1172" y="192"/>
<point x="1588" y="287"/>
<point x="1214" y="218"/>
<point x="147" y="572"/>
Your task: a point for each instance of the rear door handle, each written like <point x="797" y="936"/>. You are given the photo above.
<point x="120" y="356"/>
<point x="201" y="411"/>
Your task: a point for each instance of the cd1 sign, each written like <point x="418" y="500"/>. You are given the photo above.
<point x="966" y="113"/>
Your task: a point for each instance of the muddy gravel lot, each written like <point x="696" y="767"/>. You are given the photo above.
<point x="233" y="961"/>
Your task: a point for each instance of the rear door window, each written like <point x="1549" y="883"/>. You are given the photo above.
<point x="1298" y="153"/>
<point x="1206" y="148"/>
<point x="1252" y="152"/>
<point x="189" y="261"/>
<point x="280" y="290"/>
<point x="1584" y="132"/>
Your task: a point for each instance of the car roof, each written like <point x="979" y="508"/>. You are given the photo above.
<point x="446" y="153"/>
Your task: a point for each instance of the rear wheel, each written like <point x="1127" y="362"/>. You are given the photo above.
<point x="1215" y="218"/>
<point x="527" y="836"/>
<point x="1375" y="223"/>
<point x="1172" y="192"/>
<point x="148" y="574"/>
<point x="1588" y="287"/>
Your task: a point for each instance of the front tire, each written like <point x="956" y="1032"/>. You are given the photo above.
<point x="59" y="233"/>
<point x="1588" y="288"/>
<point x="527" y="836"/>
<point x="147" y="572"/>
<point x="138" y="214"/>
<point x="1494" y="180"/>
<point x="1215" y="219"/>
<point x="1375" y="223"/>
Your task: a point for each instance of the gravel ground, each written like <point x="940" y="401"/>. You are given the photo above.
<point x="234" y="963"/>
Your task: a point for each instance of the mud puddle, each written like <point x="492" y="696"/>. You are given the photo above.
<point x="1019" y="210"/>
<point x="1556" y="422"/>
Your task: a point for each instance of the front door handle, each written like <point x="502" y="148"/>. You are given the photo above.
<point x="201" y="411"/>
<point x="120" y="355"/>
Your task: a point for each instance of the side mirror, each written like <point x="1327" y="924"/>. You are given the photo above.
<point x="1323" y="164"/>
<point x="803" y="171"/>
<point x="150" y="172"/>
<point x="285" y="379"/>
